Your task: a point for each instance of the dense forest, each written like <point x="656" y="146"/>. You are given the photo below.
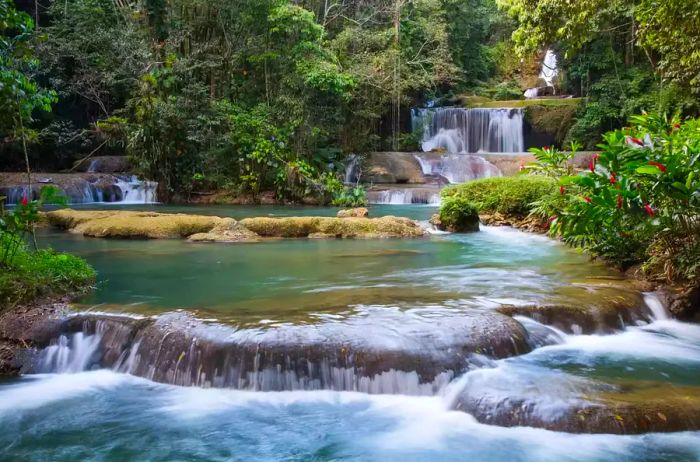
<point x="275" y="95"/>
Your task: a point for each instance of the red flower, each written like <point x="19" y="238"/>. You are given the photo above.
<point x="612" y="178"/>
<point x="676" y="126"/>
<point x="661" y="167"/>
<point x="24" y="200"/>
<point x="587" y="199"/>
<point x="562" y="190"/>
<point x="637" y="141"/>
<point x="619" y="201"/>
<point x="545" y="148"/>
<point x="649" y="210"/>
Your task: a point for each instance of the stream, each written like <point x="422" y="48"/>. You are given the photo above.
<point x="429" y="378"/>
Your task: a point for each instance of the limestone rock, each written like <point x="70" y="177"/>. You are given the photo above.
<point x="359" y="212"/>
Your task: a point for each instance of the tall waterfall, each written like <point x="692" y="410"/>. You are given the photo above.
<point x="548" y="74"/>
<point x="458" y="130"/>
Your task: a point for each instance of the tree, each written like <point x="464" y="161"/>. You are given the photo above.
<point x="19" y="92"/>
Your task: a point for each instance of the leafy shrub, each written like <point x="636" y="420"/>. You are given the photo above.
<point x="458" y="215"/>
<point x="506" y="195"/>
<point x="639" y="200"/>
<point x="31" y="275"/>
<point x="351" y="197"/>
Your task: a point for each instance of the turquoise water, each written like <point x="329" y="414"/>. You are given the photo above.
<point x="290" y="279"/>
<point x="409" y="287"/>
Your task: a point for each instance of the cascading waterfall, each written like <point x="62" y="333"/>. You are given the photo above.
<point x="120" y="189"/>
<point x="398" y="196"/>
<point x="478" y="130"/>
<point x="457" y="168"/>
<point x="548" y="74"/>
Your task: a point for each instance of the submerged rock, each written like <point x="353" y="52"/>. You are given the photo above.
<point x="614" y="409"/>
<point x="600" y="309"/>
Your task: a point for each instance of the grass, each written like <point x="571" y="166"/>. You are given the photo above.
<point x="29" y="276"/>
<point x="518" y="103"/>
<point x="512" y="195"/>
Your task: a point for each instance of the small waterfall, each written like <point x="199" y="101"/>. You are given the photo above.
<point x="457" y="168"/>
<point x="71" y="354"/>
<point x="179" y="350"/>
<point x="120" y="189"/>
<point x="458" y="130"/>
<point x="548" y="74"/>
<point x="404" y="196"/>
<point x="655" y="306"/>
<point x="135" y="191"/>
<point x="352" y="171"/>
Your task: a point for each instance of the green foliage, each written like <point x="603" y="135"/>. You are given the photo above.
<point x="507" y="91"/>
<point x="639" y="201"/>
<point x="20" y="94"/>
<point x="507" y="195"/>
<point x="31" y="275"/>
<point x="458" y="214"/>
<point x="350" y="197"/>
<point x="19" y="222"/>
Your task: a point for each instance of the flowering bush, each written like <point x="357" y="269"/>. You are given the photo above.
<point x="639" y="198"/>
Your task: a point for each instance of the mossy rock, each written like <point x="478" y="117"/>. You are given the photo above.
<point x="458" y="215"/>
<point x="552" y="122"/>
<point x="625" y="409"/>
<point x="505" y="195"/>
<point x="133" y="225"/>
<point x="351" y="227"/>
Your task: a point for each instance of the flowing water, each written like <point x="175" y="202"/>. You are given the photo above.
<point x="458" y="130"/>
<point x="417" y="298"/>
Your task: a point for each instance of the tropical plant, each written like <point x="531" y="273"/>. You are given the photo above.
<point x="639" y="199"/>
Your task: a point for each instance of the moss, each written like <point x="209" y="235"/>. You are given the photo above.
<point x="384" y="227"/>
<point x="506" y="195"/>
<point x="145" y="225"/>
<point x="358" y="212"/>
<point x="554" y="121"/>
<point x="549" y="102"/>
<point x="229" y="230"/>
<point x="458" y="215"/>
<point x="138" y="225"/>
<point x="45" y="273"/>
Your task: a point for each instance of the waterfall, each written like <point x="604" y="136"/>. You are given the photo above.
<point x="548" y="74"/>
<point x="404" y="196"/>
<point x="118" y="189"/>
<point x="135" y="191"/>
<point x="457" y="168"/>
<point x="352" y="171"/>
<point x="458" y="130"/>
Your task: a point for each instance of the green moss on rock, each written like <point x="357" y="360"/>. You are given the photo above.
<point x="506" y="195"/>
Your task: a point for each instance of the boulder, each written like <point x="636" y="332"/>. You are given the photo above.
<point x="358" y="212"/>
<point x="625" y="410"/>
<point x="393" y="167"/>
<point x="228" y="230"/>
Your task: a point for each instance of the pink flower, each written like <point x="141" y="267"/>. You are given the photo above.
<point x="24" y="200"/>
<point x="649" y="210"/>
<point x="661" y="167"/>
